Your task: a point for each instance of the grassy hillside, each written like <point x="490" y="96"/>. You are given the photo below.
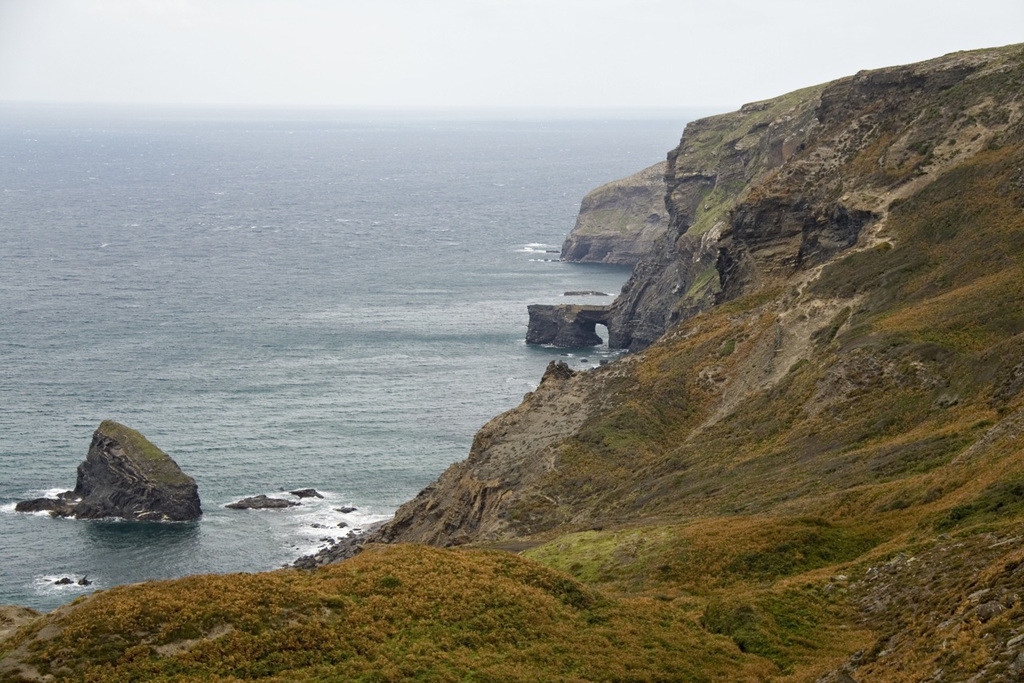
<point x="389" y="614"/>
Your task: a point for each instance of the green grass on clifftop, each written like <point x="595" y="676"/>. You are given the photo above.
<point x="157" y="464"/>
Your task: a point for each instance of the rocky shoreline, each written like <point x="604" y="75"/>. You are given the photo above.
<point x="338" y="550"/>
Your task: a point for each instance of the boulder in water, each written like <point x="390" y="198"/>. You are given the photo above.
<point x="307" y="493"/>
<point x="260" y="502"/>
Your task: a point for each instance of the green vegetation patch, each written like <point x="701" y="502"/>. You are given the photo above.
<point x="999" y="501"/>
<point x="627" y="559"/>
<point x="919" y="456"/>
<point x="132" y="440"/>
<point x="800" y="545"/>
<point x="632" y="427"/>
<point x="157" y="464"/>
<point x="706" y="282"/>
<point x="392" y="613"/>
<point x="785" y="628"/>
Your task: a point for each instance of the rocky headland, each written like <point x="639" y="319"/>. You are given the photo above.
<point x="124" y="475"/>
<point x="761" y="200"/>
<point x="810" y="469"/>
<point x="620" y="221"/>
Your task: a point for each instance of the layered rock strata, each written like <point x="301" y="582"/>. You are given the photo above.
<point x="783" y="185"/>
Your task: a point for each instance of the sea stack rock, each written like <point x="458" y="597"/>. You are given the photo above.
<point x="124" y="475"/>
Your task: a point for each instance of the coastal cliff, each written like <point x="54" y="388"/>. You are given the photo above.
<point x="833" y="347"/>
<point x="811" y="468"/>
<point x="620" y="221"/>
<point x="793" y="220"/>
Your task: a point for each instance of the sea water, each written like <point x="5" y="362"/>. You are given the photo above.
<point x="277" y="300"/>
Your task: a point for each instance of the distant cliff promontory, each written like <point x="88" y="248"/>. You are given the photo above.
<point x="621" y="220"/>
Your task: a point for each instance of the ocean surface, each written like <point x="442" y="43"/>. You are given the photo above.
<point x="278" y="300"/>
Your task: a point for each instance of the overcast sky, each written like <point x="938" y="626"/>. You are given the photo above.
<point x="470" y="53"/>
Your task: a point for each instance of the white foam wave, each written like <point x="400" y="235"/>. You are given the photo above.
<point x="47" y="584"/>
<point x="37" y="513"/>
<point x="32" y="494"/>
<point x="314" y="525"/>
<point x="539" y="248"/>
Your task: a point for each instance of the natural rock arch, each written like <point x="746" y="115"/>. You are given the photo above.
<point x="567" y="325"/>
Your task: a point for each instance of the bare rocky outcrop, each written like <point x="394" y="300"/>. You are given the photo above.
<point x="261" y="502"/>
<point x="472" y="500"/>
<point x="126" y="476"/>
<point x="307" y="493"/>
<point x="620" y="221"/>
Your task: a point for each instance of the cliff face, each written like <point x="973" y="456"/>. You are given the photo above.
<point x="831" y="375"/>
<point x="760" y="200"/>
<point x="472" y="498"/>
<point x="619" y="222"/>
<point x="782" y="186"/>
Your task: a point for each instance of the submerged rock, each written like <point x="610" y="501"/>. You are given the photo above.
<point x="55" y="506"/>
<point x="307" y="493"/>
<point x="261" y="502"/>
<point x="124" y="475"/>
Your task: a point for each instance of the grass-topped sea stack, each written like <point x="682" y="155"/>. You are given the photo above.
<point x="124" y="475"/>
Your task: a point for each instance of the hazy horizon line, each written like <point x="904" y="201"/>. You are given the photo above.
<point x="395" y="112"/>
